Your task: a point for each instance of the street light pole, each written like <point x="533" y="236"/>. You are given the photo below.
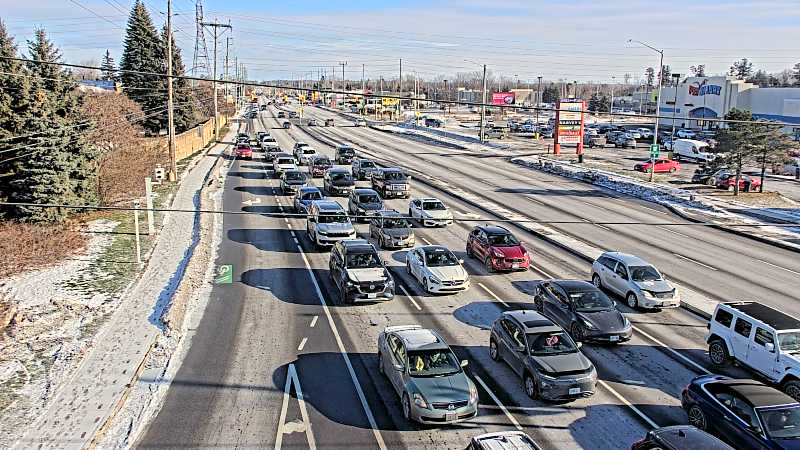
<point x="677" y="76"/>
<point x="658" y="101"/>
<point x="483" y="104"/>
<point x="538" y="103"/>
<point x="611" y="106"/>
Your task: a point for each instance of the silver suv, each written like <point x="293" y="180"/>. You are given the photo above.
<point x="641" y="284"/>
<point x="328" y="223"/>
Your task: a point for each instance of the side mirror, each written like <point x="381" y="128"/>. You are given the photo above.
<point x="464" y="363"/>
<point x="579" y="344"/>
<point x="398" y="367"/>
<point x="770" y="347"/>
<point x="461" y="261"/>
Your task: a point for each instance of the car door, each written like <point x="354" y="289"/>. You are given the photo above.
<point x="606" y="269"/>
<point x="561" y="309"/>
<point x="415" y="262"/>
<point x="740" y="338"/>
<point x="397" y="357"/>
<point x="481" y="247"/>
<point x="351" y="202"/>
<point x="738" y="422"/>
<point x="549" y="301"/>
<point x="759" y="356"/>
<point x="619" y="279"/>
<point x="336" y="266"/>
<point x="415" y="209"/>
<point x="513" y="340"/>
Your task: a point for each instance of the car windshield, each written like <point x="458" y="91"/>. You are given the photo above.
<point x="782" y="422"/>
<point x="369" y="198"/>
<point x="433" y="206"/>
<point x="341" y="176"/>
<point x="644" y="273"/>
<point x="789" y="341"/>
<point x="309" y="151"/>
<point x="395" y="176"/>
<point x="440" y="258"/>
<point x="295" y="176"/>
<point x="591" y="301"/>
<point x="363" y="261"/>
<point x="346" y="151"/>
<point x="552" y="343"/>
<point x="395" y="223"/>
<point x="313" y="195"/>
<point x="285" y="161"/>
<point x="503" y="240"/>
<point x="367" y="164"/>
<point x="333" y="218"/>
<point x="432" y="363"/>
<point x="322" y="162"/>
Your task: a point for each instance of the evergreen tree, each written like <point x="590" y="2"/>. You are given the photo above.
<point x="142" y="52"/>
<point x="108" y="68"/>
<point x="185" y="116"/>
<point x="796" y="74"/>
<point x="698" y="70"/>
<point x="650" y="76"/>
<point x="742" y="69"/>
<point x="58" y="166"/>
<point x="550" y="94"/>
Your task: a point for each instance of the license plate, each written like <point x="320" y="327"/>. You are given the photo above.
<point x="574" y="391"/>
<point x="613" y="338"/>
<point x="372" y="295"/>
<point x="515" y="266"/>
<point x="450" y="417"/>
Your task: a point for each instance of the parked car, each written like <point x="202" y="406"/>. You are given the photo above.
<point x="679" y="437"/>
<point x="243" y="151"/>
<point x="582" y="309"/>
<point x="358" y="272"/>
<point x="661" y="165"/>
<point x="789" y="167"/>
<point x="546" y="132"/>
<point x="728" y="181"/>
<point x="426" y="375"/>
<point x="624" y="140"/>
<point x="703" y="173"/>
<point x="327" y="223"/>
<point x="363" y="168"/>
<point x="594" y="140"/>
<point x="549" y="362"/>
<point x="437" y="269"/>
<point x="760" y="338"/>
<point x="303" y="198"/>
<point x="511" y="440"/>
<point x="612" y="135"/>
<point x="329" y="122"/>
<point x="634" y="133"/>
<point x="344" y="154"/>
<point x="690" y="150"/>
<point x="391" y="182"/>
<point x="287" y="124"/>
<point x="495" y="133"/>
<point x="319" y="164"/>
<point x="431" y="212"/>
<point x="645" y="133"/>
<point x="292" y="180"/>
<point x="745" y="413"/>
<point x="685" y="134"/>
<point x="498" y="248"/>
<point x="433" y="123"/>
<point x="337" y="181"/>
<point x="391" y="230"/>
<point x="364" y="202"/>
<point x="641" y="284"/>
<point x="282" y="162"/>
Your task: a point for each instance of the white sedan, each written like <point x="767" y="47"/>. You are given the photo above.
<point x="430" y="212"/>
<point x="437" y="269"/>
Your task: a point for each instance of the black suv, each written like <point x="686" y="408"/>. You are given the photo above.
<point x="391" y="182"/>
<point x="358" y="272"/>
<point x="345" y="154"/>
<point x="337" y="181"/>
<point x="364" y="202"/>
<point x="363" y="168"/>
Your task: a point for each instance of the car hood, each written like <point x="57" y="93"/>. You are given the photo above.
<point x="397" y="232"/>
<point x="439" y="214"/>
<point x="510" y="252"/>
<point x="343" y="182"/>
<point x="605" y="321"/>
<point x="366" y="275"/>
<point x="448" y="273"/>
<point x="335" y="227"/>
<point x="562" y="363"/>
<point x="655" y="286"/>
<point x="295" y="182"/>
<point x="451" y="388"/>
<point x="371" y="206"/>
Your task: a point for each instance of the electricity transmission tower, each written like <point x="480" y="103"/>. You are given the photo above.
<point x="200" y="65"/>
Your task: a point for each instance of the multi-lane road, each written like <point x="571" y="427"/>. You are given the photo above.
<point x="277" y="362"/>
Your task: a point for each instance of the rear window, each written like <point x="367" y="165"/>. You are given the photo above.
<point x="723" y="318"/>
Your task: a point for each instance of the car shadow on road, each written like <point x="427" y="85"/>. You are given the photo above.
<point x="258" y="190"/>
<point x="249" y="175"/>
<point x="275" y="240"/>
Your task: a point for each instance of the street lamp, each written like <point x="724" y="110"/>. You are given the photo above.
<point x="658" y="101"/>
<point x="538" y="104"/>
<point x="677" y="77"/>
<point x="611" y="106"/>
<point x="483" y="100"/>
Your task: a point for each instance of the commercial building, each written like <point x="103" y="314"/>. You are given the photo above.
<point x="699" y="98"/>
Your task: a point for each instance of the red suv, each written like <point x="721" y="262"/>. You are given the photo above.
<point x="243" y="151"/>
<point x="728" y="181"/>
<point x="497" y="248"/>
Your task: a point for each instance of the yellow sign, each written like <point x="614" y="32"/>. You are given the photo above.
<point x="390" y="101"/>
<point x="302" y="97"/>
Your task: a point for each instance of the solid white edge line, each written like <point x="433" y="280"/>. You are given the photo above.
<point x="410" y="297"/>
<point x="302" y="344"/>
<point x="362" y="398"/>
<point x="511" y="418"/>
<point x="492" y="294"/>
<point x="675" y="232"/>
<point x="313" y="322"/>
<point x="542" y="272"/>
<point x="695" y="261"/>
<point x="425" y="240"/>
<point x="778" y="267"/>
<point x="627" y="403"/>
<point x="673" y="351"/>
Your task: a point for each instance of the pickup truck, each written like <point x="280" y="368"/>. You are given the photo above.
<point x="391" y="182"/>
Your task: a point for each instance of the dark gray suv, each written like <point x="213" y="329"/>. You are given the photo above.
<point x="549" y="362"/>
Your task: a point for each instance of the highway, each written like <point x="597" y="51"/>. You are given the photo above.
<point x="280" y="321"/>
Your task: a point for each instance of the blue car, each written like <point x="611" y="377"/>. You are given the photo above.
<point x="745" y="413"/>
<point x="304" y="197"/>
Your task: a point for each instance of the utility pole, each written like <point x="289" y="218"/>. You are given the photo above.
<point x="363" y="93"/>
<point x="538" y="103"/>
<point x="215" y="26"/>
<point x="173" y="161"/>
<point x="483" y="104"/>
<point x="227" y="56"/>
<point x="677" y="77"/>
<point x="400" y="89"/>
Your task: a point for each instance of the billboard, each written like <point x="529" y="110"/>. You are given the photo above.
<point x="569" y="124"/>
<point x="503" y="98"/>
<point x="390" y="101"/>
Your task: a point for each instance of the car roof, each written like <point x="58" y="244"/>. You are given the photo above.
<point x="505" y="440"/>
<point x="493" y="229"/>
<point x="433" y="248"/>
<point x="755" y="393"/>
<point x="357" y="246"/>
<point x="687" y="436"/>
<point x="770" y="316"/>
<point x="392" y="169"/>
<point x="364" y="191"/>
<point x="328" y="205"/>
<point x="428" y="199"/>
<point x="309" y="189"/>
<point x="421" y="339"/>
<point x="389" y="213"/>
<point x="628" y="259"/>
<point x="575" y="285"/>
<point x="338" y="169"/>
<point x="532" y="322"/>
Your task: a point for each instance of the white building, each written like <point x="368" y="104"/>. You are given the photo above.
<point x="698" y="98"/>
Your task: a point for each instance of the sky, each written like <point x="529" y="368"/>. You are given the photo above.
<point x="578" y="40"/>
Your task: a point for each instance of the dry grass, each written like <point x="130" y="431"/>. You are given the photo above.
<point x="768" y="199"/>
<point x="24" y="247"/>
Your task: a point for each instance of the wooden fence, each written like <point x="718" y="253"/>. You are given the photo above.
<point x="188" y="142"/>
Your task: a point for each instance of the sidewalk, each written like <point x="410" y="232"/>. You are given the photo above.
<point x="85" y="401"/>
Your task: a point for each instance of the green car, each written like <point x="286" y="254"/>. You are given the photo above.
<point x="426" y="375"/>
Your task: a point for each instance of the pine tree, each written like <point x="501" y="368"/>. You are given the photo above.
<point x="142" y="52"/>
<point x="108" y="68"/>
<point x="59" y="166"/>
<point x="650" y="76"/>
<point x="796" y="74"/>
<point x="742" y="69"/>
<point x="185" y="116"/>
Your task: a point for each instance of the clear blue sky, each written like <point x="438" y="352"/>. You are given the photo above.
<point x="578" y="40"/>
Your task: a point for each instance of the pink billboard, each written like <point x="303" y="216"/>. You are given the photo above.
<point x="502" y="98"/>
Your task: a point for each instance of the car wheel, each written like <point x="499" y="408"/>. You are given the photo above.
<point x="530" y="386"/>
<point x="489" y="266"/>
<point x="406" y="407"/>
<point x="426" y="286"/>
<point x="697" y="417"/>
<point x="597" y="282"/>
<point x="718" y="352"/>
<point x="494" y="353"/>
<point x="672" y="170"/>
<point x="631" y="300"/>
<point x="469" y="251"/>
<point x="577" y="332"/>
<point x="408" y="267"/>
<point x="792" y="388"/>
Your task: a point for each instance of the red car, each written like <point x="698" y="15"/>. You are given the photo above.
<point x="662" y="166"/>
<point x="728" y="181"/>
<point x="243" y="151"/>
<point x="319" y="165"/>
<point x="497" y="248"/>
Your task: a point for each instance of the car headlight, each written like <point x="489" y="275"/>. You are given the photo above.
<point x="361" y="210"/>
<point x="498" y="254"/>
<point x="545" y="377"/>
<point x="473" y="393"/>
<point x="648" y="294"/>
<point x="435" y="280"/>
<point x="419" y="401"/>
<point x="322" y="232"/>
<point x="588" y="325"/>
<point x="625" y="322"/>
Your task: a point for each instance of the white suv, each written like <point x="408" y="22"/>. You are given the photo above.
<point x="641" y="284"/>
<point x="763" y="339"/>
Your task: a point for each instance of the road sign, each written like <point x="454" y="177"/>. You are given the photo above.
<point x="654" y="150"/>
<point x="224" y="274"/>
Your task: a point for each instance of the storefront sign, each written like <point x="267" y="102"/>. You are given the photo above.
<point x="503" y="98"/>
<point x="569" y="122"/>
<point x="700" y="89"/>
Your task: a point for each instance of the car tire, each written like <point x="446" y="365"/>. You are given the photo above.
<point x="718" y="353"/>
<point x="468" y="251"/>
<point x="576" y="332"/>
<point x="792" y="389"/>
<point x="406" y="407"/>
<point x="597" y="282"/>
<point x="488" y="264"/>
<point x="425" y="286"/>
<point x="494" y="352"/>
<point x="529" y="384"/>
<point x="631" y="300"/>
<point x="672" y="170"/>
<point x="697" y="417"/>
<point x="408" y="267"/>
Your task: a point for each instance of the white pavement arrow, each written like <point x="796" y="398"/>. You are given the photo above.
<point x="294" y="426"/>
<point x="251" y="202"/>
